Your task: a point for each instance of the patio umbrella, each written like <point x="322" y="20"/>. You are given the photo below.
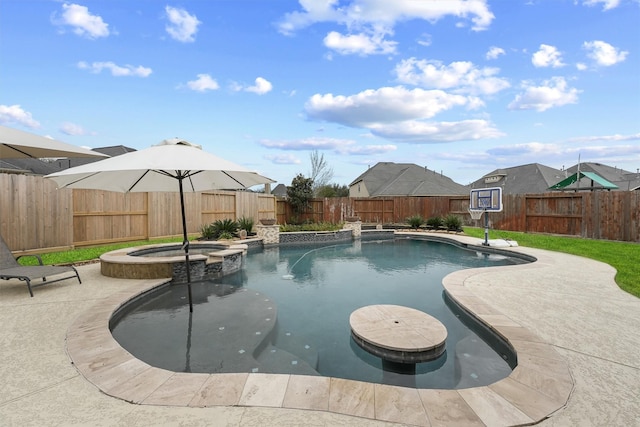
<point x="18" y="144"/>
<point x="172" y="165"/>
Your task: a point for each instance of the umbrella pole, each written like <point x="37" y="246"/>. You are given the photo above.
<point x="185" y="244"/>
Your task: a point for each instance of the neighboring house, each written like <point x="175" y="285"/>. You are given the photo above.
<point x="622" y="179"/>
<point x="532" y="178"/>
<point x="403" y="179"/>
<point x="30" y="166"/>
<point x="27" y="166"/>
<point x="280" y="191"/>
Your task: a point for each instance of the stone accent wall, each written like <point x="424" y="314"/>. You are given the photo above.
<point x="355" y="227"/>
<point x="270" y="234"/>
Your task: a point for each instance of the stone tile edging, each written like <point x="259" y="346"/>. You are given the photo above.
<point x="540" y="384"/>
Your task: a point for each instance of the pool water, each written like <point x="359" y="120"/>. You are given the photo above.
<point x="288" y="311"/>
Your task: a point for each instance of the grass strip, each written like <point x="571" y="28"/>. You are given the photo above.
<point x="79" y="255"/>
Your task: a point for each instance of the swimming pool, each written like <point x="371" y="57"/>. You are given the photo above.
<point x="287" y="311"/>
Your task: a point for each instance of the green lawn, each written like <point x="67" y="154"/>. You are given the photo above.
<point x="79" y="255"/>
<point x="623" y="256"/>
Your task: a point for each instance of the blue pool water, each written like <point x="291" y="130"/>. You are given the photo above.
<point x="288" y="311"/>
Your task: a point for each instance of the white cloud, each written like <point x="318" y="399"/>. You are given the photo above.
<point x="462" y="76"/>
<point x="616" y="138"/>
<point x="553" y="93"/>
<point x="203" y="83"/>
<point x="72" y="129"/>
<point x="581" y="66"/>
<point x="547" y="56"/>
<point x="561" y="153"/>
<point x="368" y="22"/>
<point x="304" y="144"/>
<point x="283" y="159"/>
<point x="603" y="53"/>
<point x="552" y="154"/>
<point x="384" y="105"/>
<point x="606" y="4"/>
<point x="15" y="114"/>
<point x="424" y="40"/>
<point x="529" y="148"/>
<point x="603" y="152"/>
<point x="261" y="86"/>
<point x="82" y="22"/>
<point x="494" y="52"/>
<point x="359" y="44"/>
<point x="116" y="70"/>
<point x="379" y="14"/>
<point x="366" y="150"/>
<point x="338" y="146"/>
<point x="182" y="25"/>
<point x="420" y="132"/>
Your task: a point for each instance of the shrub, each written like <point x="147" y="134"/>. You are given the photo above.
<point x="453" y="222"/>
<point x="224" y="226"/>
<point x="245" y="223"/>
<point x="435" y="222"/>
<point x="225" y="235"/>
<point x="207" y="231"/>
<point x="415" y="221"/>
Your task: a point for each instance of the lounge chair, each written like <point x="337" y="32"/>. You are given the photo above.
<point x="10" y="269"/>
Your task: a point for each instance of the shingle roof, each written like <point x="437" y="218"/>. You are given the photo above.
<point x="28" y="166"/>
<point x="279" y="190"/>
<point x="531" y="178"/>
<point x="625" y="180"/>
<point x="407" y="179"/>
<point x="39" y="167"/>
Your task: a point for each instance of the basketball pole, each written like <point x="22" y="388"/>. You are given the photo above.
<point x="486" y="228"/>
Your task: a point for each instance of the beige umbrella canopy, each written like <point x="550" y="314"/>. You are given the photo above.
<point x="173" y="165"/>
<point x="15" y="144"/>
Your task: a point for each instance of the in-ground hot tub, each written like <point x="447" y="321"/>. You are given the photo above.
<point x="207" y="260"/>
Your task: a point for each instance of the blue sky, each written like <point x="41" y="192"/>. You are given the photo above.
<point x="462" y="87"/>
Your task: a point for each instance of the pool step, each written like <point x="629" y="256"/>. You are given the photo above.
<point x="304" y="349"/>
<point x="274" y="360"/>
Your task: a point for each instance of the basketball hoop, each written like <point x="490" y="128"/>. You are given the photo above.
<point x="476" y="213"/>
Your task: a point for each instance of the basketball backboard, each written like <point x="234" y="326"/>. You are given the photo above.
<point x="486" y="199"/>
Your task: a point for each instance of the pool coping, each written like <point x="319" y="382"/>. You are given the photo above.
<point x="540" y="385"/>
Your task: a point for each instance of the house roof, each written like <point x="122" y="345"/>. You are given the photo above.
<point x="279" y="190"/>
<point x="573" y="179"/>
<point x="27" y="166"/>
<point x="407" y="179"/>
<point x="625" y="180"/>
<point x="40" y="167"/>
<point x="530" y="178"/>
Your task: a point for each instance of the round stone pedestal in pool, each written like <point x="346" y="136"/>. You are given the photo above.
<point x="398" y="334"/>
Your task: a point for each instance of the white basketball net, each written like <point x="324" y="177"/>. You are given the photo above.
<point x="476" y="213"/>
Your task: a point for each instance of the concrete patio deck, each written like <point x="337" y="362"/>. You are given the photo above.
<point x="568" y="303"/>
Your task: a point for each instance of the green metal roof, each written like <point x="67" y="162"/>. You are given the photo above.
<point x="591" y="175"/>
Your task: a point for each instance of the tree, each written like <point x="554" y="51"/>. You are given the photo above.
<point x="300" y="193"/>
<point x="332" y="190"/>
<point x="321" y="172"/>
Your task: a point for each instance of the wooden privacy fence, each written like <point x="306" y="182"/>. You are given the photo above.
<point x="34" y="215"/>
<point x="606" y="215"/>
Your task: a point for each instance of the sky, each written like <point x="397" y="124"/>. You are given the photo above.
<point x="462" y="87"/>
